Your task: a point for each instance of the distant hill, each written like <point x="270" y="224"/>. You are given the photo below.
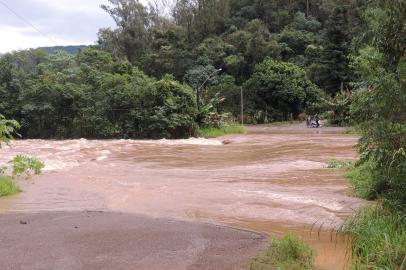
<point x="73" y="49"/>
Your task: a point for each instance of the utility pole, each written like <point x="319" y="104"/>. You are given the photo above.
<point x="242" y="107"/>
<point x="307" y="8"/>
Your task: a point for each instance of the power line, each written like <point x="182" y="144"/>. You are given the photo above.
<point x="27" y="22"/>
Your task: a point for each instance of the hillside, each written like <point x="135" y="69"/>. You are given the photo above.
<point x="72" y="49"/>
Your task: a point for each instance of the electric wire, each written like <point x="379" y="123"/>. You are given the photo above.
<point x="27" y="22"/>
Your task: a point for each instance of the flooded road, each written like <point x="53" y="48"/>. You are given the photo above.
<point x="273" y="179"/>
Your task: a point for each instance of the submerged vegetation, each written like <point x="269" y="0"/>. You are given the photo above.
<point x="21" y="165"/>
<point x="288" y="253"/>
<point x="8" y="186"/>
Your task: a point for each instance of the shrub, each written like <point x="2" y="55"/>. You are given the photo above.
<point x="7" y="129"/>
<point x="26" y="165"/>
<point x="289" y="253"/>
<point x="378" y="238"/>
<point x="7" y="186"/>
<point x="21" y="164"/>
<point x="218" y="132"/>
<point x="339" y="164"/>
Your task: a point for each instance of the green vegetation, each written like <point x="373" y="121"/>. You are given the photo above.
<point x="287" y="57"/>
<point x="378" y="110"/>
<point x="379" y="106"/>
<point x="69" y="49"/>
<point x="7" y="129"/>
<point x="378" y="232"/>
<point x="92" y="95"/>
<point x="289" y="253"/>
<point x="8" y="186"/>
<point x="283" y="88"/>
<point x="378" y="238"/>
<point x="360" y="178"/>
<point x="340" y="164"/>
<point x="218" y="132"/>
<point x="22" y="165"/>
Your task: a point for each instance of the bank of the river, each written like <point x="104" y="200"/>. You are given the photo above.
<point x="378" y="231"/>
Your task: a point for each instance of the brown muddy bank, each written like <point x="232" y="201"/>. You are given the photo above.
<point x="273" y="179"/>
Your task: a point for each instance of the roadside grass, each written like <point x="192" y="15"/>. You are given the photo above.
<point x="8" y="186"/>
<point x="358" y="176"/>
<point x="378" y="232"/>
<point x="218" y="132"/>
<point x="288" y="253"/>
<point x="361" y="180"/>
<point x="378" y="238"/>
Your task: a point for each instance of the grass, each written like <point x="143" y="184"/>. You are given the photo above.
<point x="288" y="253"/>
<point x="218" y="132"/>
<point x="378" y="238"/>
<point x="361" y="180"/>
<point x="359" y="176"/>
<point x="340" y="164"/>
<point x="378" y="232"/>
<point x="7" y="186"/>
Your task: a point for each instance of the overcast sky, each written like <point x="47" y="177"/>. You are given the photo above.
<point x="67" y="22"/>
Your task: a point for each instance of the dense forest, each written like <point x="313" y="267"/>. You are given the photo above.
<point x="142" y="77"/>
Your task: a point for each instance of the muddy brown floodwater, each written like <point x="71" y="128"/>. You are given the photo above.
<point x="273" y="179"/>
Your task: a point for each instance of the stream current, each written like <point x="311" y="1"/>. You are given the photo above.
<point x="273" y="179"/>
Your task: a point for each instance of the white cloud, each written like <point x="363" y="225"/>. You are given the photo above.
<point x="85" y="6"/>
<point x="19" y="38"/>
<point x="68" y="22"/>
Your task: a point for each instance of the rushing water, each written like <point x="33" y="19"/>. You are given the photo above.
<point x="273" y="179"/>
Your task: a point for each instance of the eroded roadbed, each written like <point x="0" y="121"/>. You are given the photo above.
<point x="108" y="240"/>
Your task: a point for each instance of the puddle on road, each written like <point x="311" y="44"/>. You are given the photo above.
<point x="273" y="179"/>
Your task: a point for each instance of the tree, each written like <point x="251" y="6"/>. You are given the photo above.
<point x="281" y="88"/>
<point x="7" y="129"/>
<point x="332" y="71"/>
<point x="133" y="36"/>
<point x="172" y="110"/>
<point x="379" y="104"/>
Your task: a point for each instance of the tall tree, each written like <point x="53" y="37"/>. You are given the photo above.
<point x="133" y="36"/>
<point x="332" y="72"/>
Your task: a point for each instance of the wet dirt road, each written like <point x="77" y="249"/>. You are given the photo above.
<point x="273" y="179"/>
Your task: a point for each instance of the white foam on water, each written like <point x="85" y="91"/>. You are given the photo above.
<point x="53" y="165"/>
<point x="104" y="155"/>
<point x="297" y="199"/>
<point x="190" y="141"/>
